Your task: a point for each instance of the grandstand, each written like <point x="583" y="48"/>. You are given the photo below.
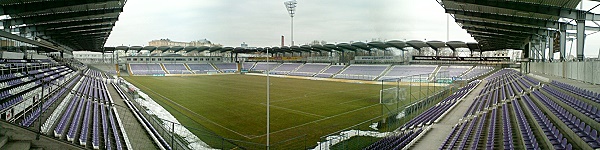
<point x="286" y="68"/>
<point x="330" y="71"/>
<point x="146" y="69"/>
<point x="265" y="66"/>
<point x="365" y="72"/>
<point x="399" y="71"/>
<point x="227" y="67"/>
<point x="504" y="91"/>
<point x="309" y="69"/>
<point x="176" y="69"/>
<point x="201" y="68"/>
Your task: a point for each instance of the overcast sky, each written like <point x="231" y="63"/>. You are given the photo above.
<point x="261" y="23"/>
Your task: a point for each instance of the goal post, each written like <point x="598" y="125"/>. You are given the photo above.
<point x="392" y="95"/>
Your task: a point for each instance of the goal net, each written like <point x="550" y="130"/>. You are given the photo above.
<point x="392" y="95"/>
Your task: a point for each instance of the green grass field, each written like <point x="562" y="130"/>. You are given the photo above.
<point x="234" y="106"/>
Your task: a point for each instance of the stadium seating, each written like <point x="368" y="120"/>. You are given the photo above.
<point x="176" y="69"/>
<point x="27" y="121"/>
<point x="491" y="98"/>
<point x="247" y="65"/>
<point x="399" y="71"/>
<point x="146" y="69"/>
<point x="309" y="69"/>
<point x="20" y="88"/>
<point x="398" y="141"/>
<point x="333" y="69"/>
<point x="578" y="91"/>
<point x="201" y="68"/>
<point x="433" y="113"/>
<point x="264" y="66"/>
<point x="578" y="105"/>
<point x="227" y="67"/>
<point x="579" y="127"/>
<point x="477" y="71"/>
<point x="286" y="68"/>
<point x="512" y="111"/>
<point x="454" y="71"/>
<point x="88" y="111"/>
<point x="26" y="80"/>
<point x="555" y="111"/>
<point x="413" y="126"/>
<point x="362" y="72"/>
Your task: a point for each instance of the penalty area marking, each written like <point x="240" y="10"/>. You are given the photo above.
<point x="297" y="111"/>
<point x="315" y="121"/>
<point x="246" y="136"/>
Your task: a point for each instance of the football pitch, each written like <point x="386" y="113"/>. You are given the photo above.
<point x="234" y="106"/>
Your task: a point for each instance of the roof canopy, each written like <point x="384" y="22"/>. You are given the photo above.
<point x="376" y="45"/>
<point x="498" y="24"/>
<point x="76" y="24"/>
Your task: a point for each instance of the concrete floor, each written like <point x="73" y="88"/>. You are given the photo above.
<point x="587" y="86"/>
<point x="138" y="137"/>
<point x="437" y="134"/>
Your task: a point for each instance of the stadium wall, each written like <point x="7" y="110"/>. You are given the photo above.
<point x="587" y="71"/>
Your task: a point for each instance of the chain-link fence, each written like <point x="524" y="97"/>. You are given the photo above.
<point x="401" y="99"/>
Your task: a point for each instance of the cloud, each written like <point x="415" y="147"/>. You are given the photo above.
<point x="261" y="23"/>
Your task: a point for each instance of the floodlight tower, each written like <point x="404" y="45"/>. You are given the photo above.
<point x="291" y="8"/>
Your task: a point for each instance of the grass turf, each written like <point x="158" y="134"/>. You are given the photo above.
<point x="234" y="106"/>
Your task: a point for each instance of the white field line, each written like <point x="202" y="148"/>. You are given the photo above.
<point x="196" y="113"/>
<point x="316" y="120"/>
<point x="311" y="95"/>
<point x="297" y="111"/>
<point x="359" y="99"/>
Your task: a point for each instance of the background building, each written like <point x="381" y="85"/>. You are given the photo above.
<point x="168" y="42"/>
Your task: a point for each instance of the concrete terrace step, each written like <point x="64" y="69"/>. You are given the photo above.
<point x="16" y="145"/>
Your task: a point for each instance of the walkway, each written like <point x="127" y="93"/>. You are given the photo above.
<point x="437" y="134"/>
<point x="138" y="137"/>
<point x="587" y="86"/>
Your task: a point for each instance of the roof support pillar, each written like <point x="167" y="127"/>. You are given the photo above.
<point x="402" y="50"/>
<point x="543" y="48"/>
<point x="563" y="42"/>
<point x="550" y="45"/>
<point x="236" y="57"/>
<point x="530" y="49"/>
<point x="231" y="56"/>
<point x="580" y="38"/>
<point x="343" y="57"/>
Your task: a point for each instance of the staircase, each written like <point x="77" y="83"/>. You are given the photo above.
<point x="188" y="68"/>
<point x="8" y="143"/>
<point x="129" y="70"/>
<point x="214" y="67"/>
<point x="434" y="74"/>
<point x="14" y="137"/>
<point x="16" y="145"/>
<point x="277" y="66"/>
<point x="385" y="72"/>
<point x="467" y="71"/>
<point x="163" y="68"/>
<point x="296" y="69"/>
<point x="341" y="70"/>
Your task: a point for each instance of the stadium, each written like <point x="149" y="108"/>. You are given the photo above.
<point x="525" y="81"/>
